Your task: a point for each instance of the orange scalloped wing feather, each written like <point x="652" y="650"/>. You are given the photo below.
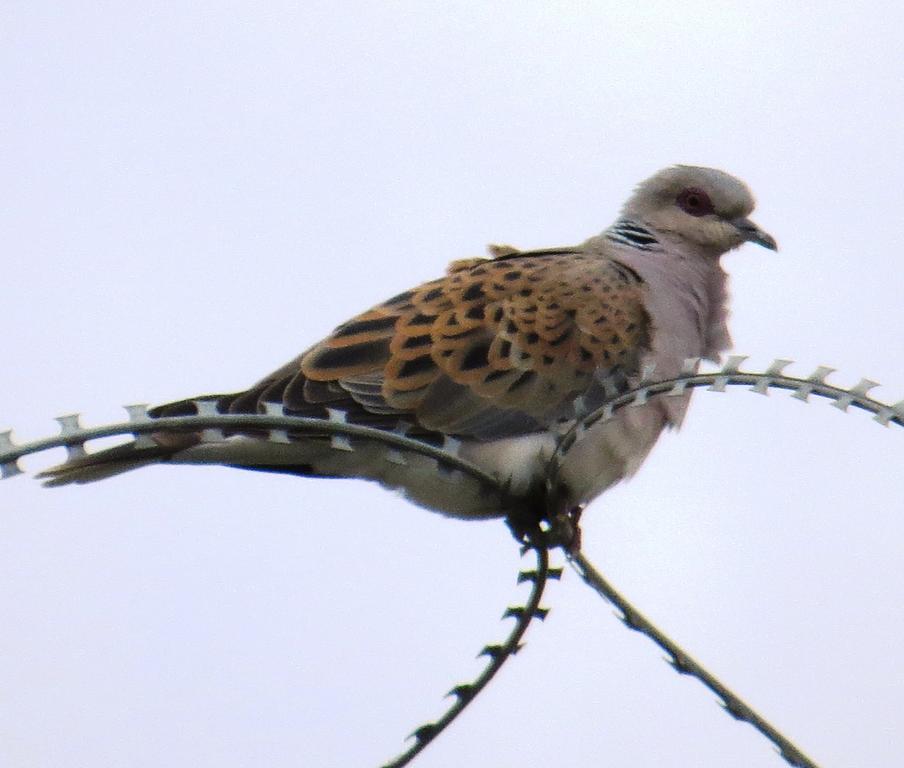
<point x="522" y="335"/>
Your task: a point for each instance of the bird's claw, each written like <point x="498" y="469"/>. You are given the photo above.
<point x="559" y="529"/>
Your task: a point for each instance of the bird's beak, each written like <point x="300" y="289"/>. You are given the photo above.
<point x="753" y="234"/>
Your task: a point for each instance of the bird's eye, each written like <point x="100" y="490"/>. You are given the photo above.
<point x="695" y="202"/>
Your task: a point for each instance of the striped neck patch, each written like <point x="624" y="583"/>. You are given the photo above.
<point x="630" y="233"/>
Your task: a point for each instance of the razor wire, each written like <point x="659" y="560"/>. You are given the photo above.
<point x="278" y="427"/>
<point x="283" y="428"/>
<point x="498" y="654"/>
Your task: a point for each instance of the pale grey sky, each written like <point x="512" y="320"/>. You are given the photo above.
<point x="194" y="196"/>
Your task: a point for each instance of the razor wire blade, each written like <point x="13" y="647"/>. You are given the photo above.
<point x="277" y="426"/>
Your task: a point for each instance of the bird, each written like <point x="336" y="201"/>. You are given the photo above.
<point x="500" y="356"/>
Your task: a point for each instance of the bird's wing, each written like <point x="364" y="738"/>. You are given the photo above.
<point x="494" y="348"/>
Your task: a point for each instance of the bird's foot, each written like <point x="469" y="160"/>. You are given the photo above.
<point x="559" y="527"/>
<point x="564" y="530"/>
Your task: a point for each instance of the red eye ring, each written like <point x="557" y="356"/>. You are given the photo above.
<point x="695" y="202"/>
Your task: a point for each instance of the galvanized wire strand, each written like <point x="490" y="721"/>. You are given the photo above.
<point x="685" y="664"/>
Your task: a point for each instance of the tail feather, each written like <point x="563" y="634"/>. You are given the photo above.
<point x="104" y="464"/>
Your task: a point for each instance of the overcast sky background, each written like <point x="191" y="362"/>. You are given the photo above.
<point x="193" y="196"/>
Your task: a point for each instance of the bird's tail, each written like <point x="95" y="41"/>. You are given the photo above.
<point x="107" y="463"/>
<point x="89" y="468"/>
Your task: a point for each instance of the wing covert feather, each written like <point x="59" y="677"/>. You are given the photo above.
<point x="494" y="347"/>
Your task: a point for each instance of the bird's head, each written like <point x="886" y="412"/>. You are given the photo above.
<point x="704" y="207"/>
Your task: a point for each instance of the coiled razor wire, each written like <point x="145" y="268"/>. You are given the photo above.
<point x="275" y="426"/>
<point x="465" y="693"/>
